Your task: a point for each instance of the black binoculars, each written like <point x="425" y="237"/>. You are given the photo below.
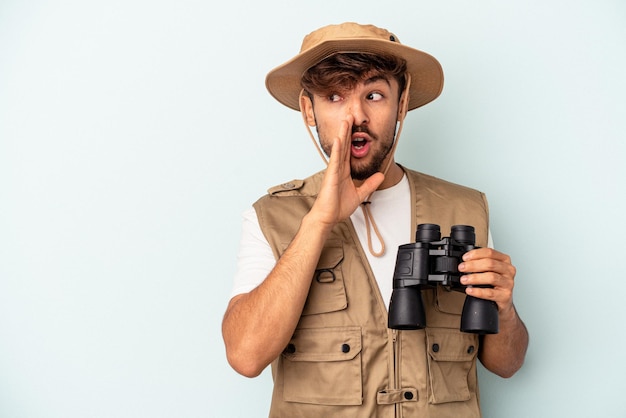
<point x="431" y="261"/>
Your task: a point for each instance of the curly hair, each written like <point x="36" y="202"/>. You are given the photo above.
<point x="342" y="71"/>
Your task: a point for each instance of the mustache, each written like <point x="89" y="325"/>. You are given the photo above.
<point x="361" y="129"/>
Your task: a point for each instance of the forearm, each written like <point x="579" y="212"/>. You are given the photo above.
<point x="258" y="325"/>
<point x="503" y="353"/>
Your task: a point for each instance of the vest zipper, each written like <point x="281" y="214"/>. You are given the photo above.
<point x="396" y="369"/>
<point x="396" y="359"/>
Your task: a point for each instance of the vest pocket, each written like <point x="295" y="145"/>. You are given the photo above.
<point x="450" y="301"/>
<point x="451" y="355"/>
<point x="327" y="292"/>
<point x="323" y="366"/>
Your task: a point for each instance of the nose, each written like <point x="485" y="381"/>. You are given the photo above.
<point x="358" y="111"/>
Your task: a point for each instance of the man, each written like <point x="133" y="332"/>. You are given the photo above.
<point x="317" y="257"/>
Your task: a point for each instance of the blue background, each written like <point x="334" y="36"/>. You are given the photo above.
<point x="134" y="133"/>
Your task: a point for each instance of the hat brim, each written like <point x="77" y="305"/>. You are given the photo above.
<point x="283" y="82"/>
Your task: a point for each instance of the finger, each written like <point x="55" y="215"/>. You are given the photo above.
<point x="502" y="295"/>
<point x="345" y="133"/>
<point x="487" y="279"/>
<point x="370" y="185"/>
<point x="487" y="266"/>
<point x="474" y="279"/>
<point x="340" y="152"/>
<point x="479" y="265"/>
<point x="482" y="292"/>
<point x="480" y="253"/>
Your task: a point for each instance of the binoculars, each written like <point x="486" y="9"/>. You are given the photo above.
<point x="431" y="261"/>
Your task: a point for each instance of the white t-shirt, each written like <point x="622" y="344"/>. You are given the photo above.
<point x="391" y="209"/>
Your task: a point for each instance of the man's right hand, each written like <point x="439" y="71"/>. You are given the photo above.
<point x="339" y="196"/>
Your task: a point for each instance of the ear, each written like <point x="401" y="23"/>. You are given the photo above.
<point x="403" y="105"/>
<point x="306" y="107"/>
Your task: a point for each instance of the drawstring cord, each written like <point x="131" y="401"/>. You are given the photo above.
<point x="367" y="212"/>
<point x="370" y="223"/>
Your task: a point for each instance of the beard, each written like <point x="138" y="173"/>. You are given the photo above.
<point x="361" y="170"/>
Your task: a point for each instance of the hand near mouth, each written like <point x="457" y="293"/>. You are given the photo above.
<point x="339" y="195"/>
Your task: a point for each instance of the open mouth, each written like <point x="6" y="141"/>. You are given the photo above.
<point x="359" y="143"/>
<point x="360" y="147"/>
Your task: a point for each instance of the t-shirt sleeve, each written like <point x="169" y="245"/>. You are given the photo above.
<point x="255" y="258"/>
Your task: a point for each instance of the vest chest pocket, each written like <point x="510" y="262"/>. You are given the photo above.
<point x="448" y="305"/>
<point x="323" y="366"/>
<point x="451" y="355"/>
<point x="327" y="292"/>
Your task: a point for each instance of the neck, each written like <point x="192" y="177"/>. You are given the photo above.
<point x="392" y="177"/>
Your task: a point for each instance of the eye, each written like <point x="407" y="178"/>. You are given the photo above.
<point x="374" y="97"/>
<point x="335" y="97"/>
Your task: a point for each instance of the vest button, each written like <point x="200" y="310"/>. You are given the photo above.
<point x="290" y="349"/>
<point x="435" y="348"/>
<point x="470" y="349"/>
<point x="408" y="396"/>
<point x="345" y="348"/>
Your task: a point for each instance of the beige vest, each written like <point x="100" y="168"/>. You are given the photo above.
<point x="343" y="360"/>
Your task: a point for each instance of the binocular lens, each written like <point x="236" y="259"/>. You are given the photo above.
<point x="406" y="309"/>
<point x="480" y="316"/>
<point x="463" y="234"/>
<point x="427" y="233"/>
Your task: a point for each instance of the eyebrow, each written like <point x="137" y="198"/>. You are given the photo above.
<point x="375" y="79"/>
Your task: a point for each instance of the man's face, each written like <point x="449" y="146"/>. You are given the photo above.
<point x="374" y="106"/>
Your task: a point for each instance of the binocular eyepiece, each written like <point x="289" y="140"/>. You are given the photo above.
<point x="431" y="261"/>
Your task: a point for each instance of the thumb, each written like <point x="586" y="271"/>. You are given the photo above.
<point x="370" y="185"/>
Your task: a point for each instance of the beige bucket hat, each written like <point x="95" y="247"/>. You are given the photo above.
<point x="283" y="82"/>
